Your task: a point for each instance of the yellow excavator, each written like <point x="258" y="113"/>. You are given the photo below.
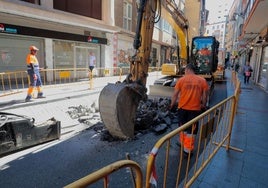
<point x="118" y="102"/>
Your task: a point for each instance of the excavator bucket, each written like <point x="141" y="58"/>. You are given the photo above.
<point x="118" y="104"/>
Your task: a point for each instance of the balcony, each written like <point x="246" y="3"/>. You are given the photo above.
<point x="256" y="21"/>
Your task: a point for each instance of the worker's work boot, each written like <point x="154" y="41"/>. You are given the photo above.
<point x="40" y="95"/>
<point x="28" y="98"/>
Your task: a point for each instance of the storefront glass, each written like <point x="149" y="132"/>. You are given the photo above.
<point x="63" y="54"/>
<point x="74" y="55"/>
<point x="13" y="52"/>
<point x="264" y="67"/>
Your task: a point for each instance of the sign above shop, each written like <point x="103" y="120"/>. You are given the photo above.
<point x="96" y="40"/>
<point x="5" y="29"/>
<point x="29" y="31"/>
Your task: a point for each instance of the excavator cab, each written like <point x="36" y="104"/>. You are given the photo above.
<point x="204" y="54"/>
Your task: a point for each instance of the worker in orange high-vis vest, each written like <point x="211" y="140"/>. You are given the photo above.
<point x="191" y="91"/>
<point x="34" y="74"/>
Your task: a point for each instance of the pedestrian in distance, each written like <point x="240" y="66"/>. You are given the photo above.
<point x="92" y="61"/>
<point x="191" y="93"/>
<point x="247" y="70"/>
<point x="34" y="74"/>
<point x="236" y="64"/>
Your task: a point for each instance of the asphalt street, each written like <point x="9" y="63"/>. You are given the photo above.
<point x="81" y="149"/>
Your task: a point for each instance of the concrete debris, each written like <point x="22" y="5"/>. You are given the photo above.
<point x="159" y="129"/>
<point x="152" y="115"/>
<point x="83" y="113"/>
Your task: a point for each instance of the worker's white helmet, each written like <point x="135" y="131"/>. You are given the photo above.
<point x="33" y="48"/>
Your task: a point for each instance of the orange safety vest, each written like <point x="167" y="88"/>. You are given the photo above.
<point x="191" y="88"/>
<point x="31" y="59"/>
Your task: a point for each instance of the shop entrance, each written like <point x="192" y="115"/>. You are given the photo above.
<point x="81" y="60"/>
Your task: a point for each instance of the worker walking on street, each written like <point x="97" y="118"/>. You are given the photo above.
<point x="191" y="90"/>
<point x="34" y="74"/>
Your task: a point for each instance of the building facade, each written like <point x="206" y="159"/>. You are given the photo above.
<point x="217" y="25"/>
<point x="66" y="31"/>
<point x="63" y="31"/>
<point x="218" y="30"/>
<point x="249" y="38"/>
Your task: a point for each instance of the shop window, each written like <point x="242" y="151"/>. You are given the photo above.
<point x="63" y="54"/>
<point x="166" y="26"/>
<point x="74" y="54"/>
<point x="13" y="52"/>
<point x="127" y="16"/>
<point x="264" y="68"/>
<point x="89" y="8"/>
<point x="37" y="2"/>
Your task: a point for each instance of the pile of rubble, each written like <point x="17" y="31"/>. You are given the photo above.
<point x="85" y="114"/>
<point x="152" y="115"/>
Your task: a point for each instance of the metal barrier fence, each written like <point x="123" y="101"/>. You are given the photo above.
<point x="168" y="167"/>
<point x="236" y="84"/>
<point x="215" y="132"/>
<point x="106" y="171"/>
<point x="13" y="82"/>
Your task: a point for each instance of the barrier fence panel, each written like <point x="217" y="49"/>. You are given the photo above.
<point x="12" y="82"/>
<point x="135" y="176"/>
<point x="168" y="166"/>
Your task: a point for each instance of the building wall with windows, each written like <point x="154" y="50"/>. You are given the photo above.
<point x="218" y="30"/>
<point x="63" y="31"/>
<point x="249" y="37"/>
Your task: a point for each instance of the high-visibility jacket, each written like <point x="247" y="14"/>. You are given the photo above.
<point x="191" y="88"/>
<point x="32" y="64"/>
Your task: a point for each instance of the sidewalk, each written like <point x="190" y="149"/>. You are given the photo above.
<point x="248" y="169"/>
<point x="59" y="99"/>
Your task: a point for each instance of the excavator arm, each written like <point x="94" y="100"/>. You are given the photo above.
<point x="118" y="102"/>
<point x="143" y="40"/>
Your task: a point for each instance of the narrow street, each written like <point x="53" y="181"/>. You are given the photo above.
<point x="80" y="150"/>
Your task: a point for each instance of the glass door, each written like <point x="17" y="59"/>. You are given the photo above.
<point x="81" y="61"/>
